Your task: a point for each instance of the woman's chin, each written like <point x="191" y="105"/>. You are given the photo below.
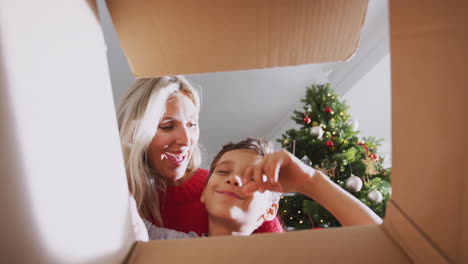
<point x="177" y="176"/>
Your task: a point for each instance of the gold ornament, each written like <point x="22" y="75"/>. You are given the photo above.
<point x="329" y="172"/>
<point x="370" y="166"/>
<point x="286" y="141"/>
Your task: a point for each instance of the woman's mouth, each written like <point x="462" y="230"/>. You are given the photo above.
<point x="176" y="159"/>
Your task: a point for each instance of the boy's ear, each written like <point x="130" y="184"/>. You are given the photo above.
<point x="202" y="197"/>
<point x="271" y="212"/>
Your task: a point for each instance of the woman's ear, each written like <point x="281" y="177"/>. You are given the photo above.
<point x="271" y="212"/>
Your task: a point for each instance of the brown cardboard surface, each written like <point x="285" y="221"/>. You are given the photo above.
<point x="429" y="80"/>
<point x="180" y="37"/>
<point x="463" y="244"/>
<point x="363" y="244"/>
<point x="418" y="248"/>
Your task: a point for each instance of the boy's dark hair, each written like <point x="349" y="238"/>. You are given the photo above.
<point x="261" y="146"/>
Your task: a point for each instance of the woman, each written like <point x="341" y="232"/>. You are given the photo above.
<point x="158" y="123"/>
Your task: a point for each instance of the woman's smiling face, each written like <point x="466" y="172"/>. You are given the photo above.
<point x="170" y="150"/>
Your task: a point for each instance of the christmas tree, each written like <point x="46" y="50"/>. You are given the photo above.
<point x="329" y="141"/>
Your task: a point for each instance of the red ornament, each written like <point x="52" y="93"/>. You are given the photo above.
<point x="329" y="143"/>
<point x="307" y="120"/>
<point x="375" y="157"/>
<point x="365" y="147"/>
<point x="328" y="110"/>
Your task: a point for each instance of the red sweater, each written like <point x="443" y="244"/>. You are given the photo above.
<point x="181" y="208"/>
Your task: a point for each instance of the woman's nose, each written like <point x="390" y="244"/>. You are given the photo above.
<point x="183" y="136"/>
<point x="234" y="180"/>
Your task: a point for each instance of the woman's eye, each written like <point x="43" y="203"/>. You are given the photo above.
<point x="192" y="125"/>
<point x="166" y="127"/>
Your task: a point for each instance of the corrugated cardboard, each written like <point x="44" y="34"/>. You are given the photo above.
<point x="413" y="242"/>
<point x="429" y="84"/>
<point x="365" y="244"/>
<point x="166" y="36"/>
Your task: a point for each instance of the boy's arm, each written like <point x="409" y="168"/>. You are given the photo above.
<point x="286" y="173"/>
<point x="160" y="233"/>
<point x="344" y="206"/>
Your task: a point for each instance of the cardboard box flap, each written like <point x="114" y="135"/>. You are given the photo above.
<point x="429" y="60"/>
<point x="181" y="37"/>
<point x="369" y="245"/>
<point x="415" y="243"/>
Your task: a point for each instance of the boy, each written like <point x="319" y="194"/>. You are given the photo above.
<point x="243" y="191"/>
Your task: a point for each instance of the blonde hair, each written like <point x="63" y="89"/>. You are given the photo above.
<point x="139" y="114"/>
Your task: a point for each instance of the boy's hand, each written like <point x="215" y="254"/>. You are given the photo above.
<point x="283" y="172"/>
<point x="280" y="172"/>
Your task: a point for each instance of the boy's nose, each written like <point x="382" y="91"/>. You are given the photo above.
<point x="234" y="180"/>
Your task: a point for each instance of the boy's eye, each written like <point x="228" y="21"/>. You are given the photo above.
<point x="192" y="125"/>
<point x="223" y="172"/>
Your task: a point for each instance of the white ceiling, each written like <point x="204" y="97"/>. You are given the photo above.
<point x="260" y="102"/>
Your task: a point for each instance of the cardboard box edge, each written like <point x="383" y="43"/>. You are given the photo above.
<point x="412" y="240"/>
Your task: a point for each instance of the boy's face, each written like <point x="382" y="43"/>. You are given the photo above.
<point x="224" y="199"/>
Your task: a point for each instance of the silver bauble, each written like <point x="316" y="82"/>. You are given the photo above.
<point x="375" y="196"/>
<point x="353" y="183"/>
<point x="316" y="132"/>
<point x="354" y="124"/>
